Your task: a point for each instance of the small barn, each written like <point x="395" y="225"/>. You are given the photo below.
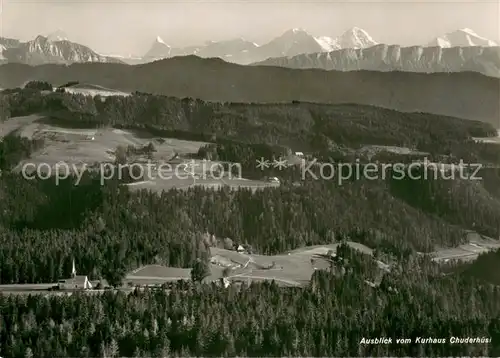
<point x="223" y="282"/>
<point x="240" y="248"/>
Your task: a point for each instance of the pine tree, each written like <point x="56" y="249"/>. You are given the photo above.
<point x="113" y="349"/>
<point x="199" y="271"/>
<point x="28" y="353"/>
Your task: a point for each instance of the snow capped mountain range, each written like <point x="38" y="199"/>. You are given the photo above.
<point x="382" y="57"/>
<point x="353" y="49"/>
<point x="291" y="43"/>
<point x="298" y="41"/>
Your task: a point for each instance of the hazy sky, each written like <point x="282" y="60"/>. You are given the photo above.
<point x="124" y="27"/>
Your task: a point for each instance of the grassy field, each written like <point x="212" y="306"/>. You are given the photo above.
<point x="89" y="147"/>
<point x="157" y="274"/>
<point x="374" y="149"/>
<point x="17" y="123"/>
<point x="293" y="269"/>
<point x="94" y="90"/>
<point x="495" y="140"/>
<point x="476" y="244"/>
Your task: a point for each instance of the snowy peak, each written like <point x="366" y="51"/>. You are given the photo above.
<point x="469" y="31"/>
<point x="355" y="38"/>
<point x="294" y="31"/>
<point x="293" y="35"/>
<point x="327" y="43"/>
<point x="160" y="40"/>
<point x="159" y="49"/>
<point x="224" y="49"/>
<point x="291" y="43"/>
<point x="57" y="35"/>
<point x="461" y="38"/>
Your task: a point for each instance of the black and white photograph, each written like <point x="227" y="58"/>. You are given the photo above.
<point x="249" y="178"/>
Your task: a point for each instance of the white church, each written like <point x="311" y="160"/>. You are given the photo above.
<point x="75" y="282"/>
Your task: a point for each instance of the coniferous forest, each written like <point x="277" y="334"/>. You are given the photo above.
<point x="110" y="230"/>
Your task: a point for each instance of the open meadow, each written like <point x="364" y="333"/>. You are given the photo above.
<point x="476" y="244"/>
<point x="89" y="148"/>
<point x="495" y="140"/>
<point x="291" y="269"/>
<point x="94" y="90"/>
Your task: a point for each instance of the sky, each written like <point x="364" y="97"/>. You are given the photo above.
<point x="130" y="27"/>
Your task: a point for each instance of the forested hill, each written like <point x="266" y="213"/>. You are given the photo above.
<point x="110" y="230"/>
<point x="299" y="126"/>
<point x="243" y="133"/>
<point x="464" y="95"/>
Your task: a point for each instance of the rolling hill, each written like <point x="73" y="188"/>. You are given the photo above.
<point x="464" y="95"/>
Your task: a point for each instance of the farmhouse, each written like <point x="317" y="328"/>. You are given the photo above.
<point x="240" y="248"/>
<point x="223" y="282"/>
<point x="299" y="154"/>
<point x="75" y="282"/>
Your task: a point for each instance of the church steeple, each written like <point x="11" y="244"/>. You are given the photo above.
<point x="73" y="271"/>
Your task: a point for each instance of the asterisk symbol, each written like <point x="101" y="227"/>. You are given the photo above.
<point x="262" y="163"/>
<point x="280" y="163"/>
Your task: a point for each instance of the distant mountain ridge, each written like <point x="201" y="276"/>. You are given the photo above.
<point x="223" y="49"/>
<point x="485" y="60"/>
<point x="465" y="95"/>
<point x="290" y="43"/>
<point x="355" y="42"/>
<point x="6" y="43"/>
<point x="296" y="42"/>
<point x="55" y="48"/>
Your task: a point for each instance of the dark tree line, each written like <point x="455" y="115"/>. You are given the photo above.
<point x="94" y="223"/>
<point x="328" y="318"/>
<point x="300" y="126"/>
<point x="13" y="149"/>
